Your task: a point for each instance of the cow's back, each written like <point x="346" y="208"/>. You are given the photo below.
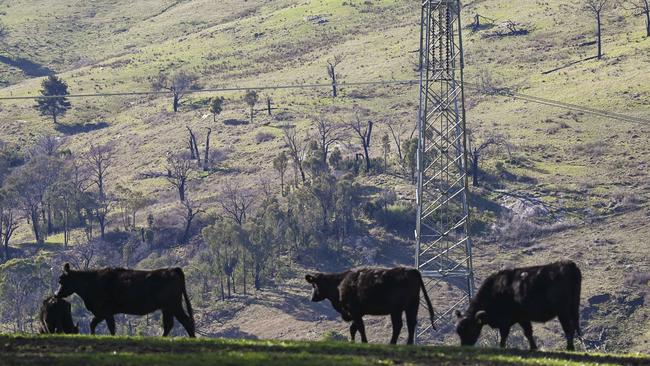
<point x="380" y="291"/>
<point x="139" y="292"/>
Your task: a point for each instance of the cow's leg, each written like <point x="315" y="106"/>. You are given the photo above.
<point x="185" y="321"/>
<point x="168" y="322"/>
<point x="412" y="321"/>
<point x="110" y="322"/>
<point x="353" y="332"/>
<point x="528" y="332"/>
<point x="361" y="328"/>
<point x="93" y="324"/>
<point x="504" y="332"/>
<point x="396" y="319"/>
<point x="569" y="331"/>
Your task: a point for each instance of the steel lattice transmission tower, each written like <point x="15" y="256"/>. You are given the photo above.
<point x="443" y="246"/>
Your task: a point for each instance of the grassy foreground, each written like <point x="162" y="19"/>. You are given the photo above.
<point x="85" y="350"/>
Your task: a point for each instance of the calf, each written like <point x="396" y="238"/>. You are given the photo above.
<point x="525" y="295"/>
<point x="368" y="291"/>
<point x="111" y="291"/>
<point x="56" y="317"/>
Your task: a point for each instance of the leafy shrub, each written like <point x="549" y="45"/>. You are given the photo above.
<point x="334" y="336"/>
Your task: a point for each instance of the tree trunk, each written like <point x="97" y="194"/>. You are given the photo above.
<point x="647" y="22"/>
<point x="282" y="183"/>
<point x="252" y="114"/>
<point x="228" y="280"/>
<point x="176" y="101"/>
<point x="243" y="257"/>
<point x="54" y="118"/>
<point x="207" y="151"/>
<point x="50" y="228"/>
<point x="181" y="191"/>
<point x="258" y="281"/>
<point x="475" y="182"/>
<point x="268" y="105"/>
<point x="35" y="229"/>
<point x="600" y="44"/>
<point x="65" y="229"/>
<point x="223" y="295"/>
<point x="101" y="219"/>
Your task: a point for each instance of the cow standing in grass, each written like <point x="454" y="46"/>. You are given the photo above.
<point x="368" y="291"/>
<point x="525" y="295"/>
<point x="111" y="291"/>
<point x="56" y="317"/>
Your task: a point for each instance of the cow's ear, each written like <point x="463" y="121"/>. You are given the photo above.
<point x="309" y="278"/>
<point x="481" y="317"/>
<point x="458" y="314"/>
<point x="66" y="268"/>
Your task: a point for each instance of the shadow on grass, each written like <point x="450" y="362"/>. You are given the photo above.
<point x="77" y="128"/>
<point x="235" y="122"/>
<point x="568" y="65"/>
<point x="30" y="68"/>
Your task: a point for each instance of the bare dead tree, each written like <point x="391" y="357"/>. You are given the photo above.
<point x="364" y="132"/>
<point x="178" y="168"/>
<point x="177" y="84"/>
<point x="596" y="7"/>
<point x="296" y="150"/>
<point x="398" y="132"/>
<point x="100" y="160"/>
<point x="190" y="210"/>
<point x="236" y="202"/>
<point x="476" y="152"/>
<point x="47" y="145"/>
<point x="206" y="157"/>
<point x="331" y="72"/>
<point x="268" y="105"/>
<point x="329" y="133"/>
<point x="640" y="8"/>
<point x="194" y="147"/>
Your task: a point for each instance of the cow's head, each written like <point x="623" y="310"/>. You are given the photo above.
<point x="68" y="283"/>
<point x="323" y="287"/>
<point x="469" y="327"/>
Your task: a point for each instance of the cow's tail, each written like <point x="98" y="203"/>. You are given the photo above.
<point x="426" y="298"/>
<point x="575" y="306"/>
<point x="190" y="312"/>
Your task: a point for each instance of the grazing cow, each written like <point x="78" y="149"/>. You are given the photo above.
<point x="525" y="295"/>
<point x="56" y="317"/>
<point x="368" y="291"/>
<point x="111" y="291"/>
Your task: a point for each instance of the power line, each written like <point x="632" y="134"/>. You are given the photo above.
<point x="521" y="96"/>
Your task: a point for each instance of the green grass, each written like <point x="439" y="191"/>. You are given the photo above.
<point x="87" y="350"/>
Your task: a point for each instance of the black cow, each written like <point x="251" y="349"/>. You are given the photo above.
<point x="111" y="291"/>
<point x="56" y="317"/>
<point x="525" y="295"/>
<point x="368" y="291"/>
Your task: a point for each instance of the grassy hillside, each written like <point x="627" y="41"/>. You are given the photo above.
<point x="80" y="350"/>
<point x="588" y="175"/>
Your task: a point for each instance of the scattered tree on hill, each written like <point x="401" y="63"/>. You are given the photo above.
<point x="596" y="7"/>
<point x="331" y="72"/>
<point x="640" y="8"/>
<point x="476" y="152"/>
<point x="130" y="202"/>
<point x="177" y="84"/>
<point x="280" y="164"/>
<point x="296" y="152"/>
<point x="190" y="210"/>
<point x="264" y="236"/>
<point x="8" y="219"/>
<point x="329" y="133"/>
<point x="193" y="146"/>
<point x="100" y="160"/>
<point x="385" y="146"/>
<point x="268" y="105"/>
<point x="236" y="202"/>
<point x="251" y="98"/>
<point x="53" y="102"/>
<point x="178" y="172"/>
<point x="206" y="157"/>
<point x="364" y="132"/>
<point x="216" y="107"/>
<point x="224" y="239"/>
<point x="410" y="149"/>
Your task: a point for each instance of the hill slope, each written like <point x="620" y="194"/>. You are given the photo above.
<point x="587" y="173"/>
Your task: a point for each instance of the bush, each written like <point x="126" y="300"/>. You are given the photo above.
<point x="334" y="336"/>
<point x="263" y="137"/>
